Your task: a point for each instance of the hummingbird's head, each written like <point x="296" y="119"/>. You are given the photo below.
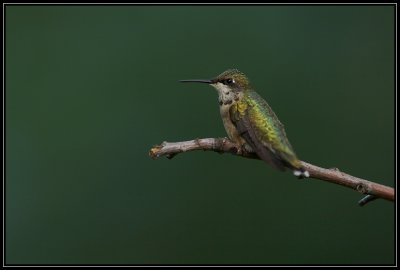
<point x="230" y="85"/>
<point x="233" y="79"/>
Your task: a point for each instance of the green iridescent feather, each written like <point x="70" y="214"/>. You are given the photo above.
<point x="267" y="136"/>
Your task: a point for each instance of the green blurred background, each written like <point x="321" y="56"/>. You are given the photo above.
<point x="90" y="89"/>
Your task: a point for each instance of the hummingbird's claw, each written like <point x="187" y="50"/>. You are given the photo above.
<point x="239" y="150"/>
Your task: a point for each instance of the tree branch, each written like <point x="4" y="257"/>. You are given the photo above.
<point x="224" y="145"/>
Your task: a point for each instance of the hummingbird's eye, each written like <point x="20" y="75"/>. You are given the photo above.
<point x="229" y="81"/>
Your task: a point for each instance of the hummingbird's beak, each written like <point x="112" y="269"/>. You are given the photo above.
<point x="198" y="81"/>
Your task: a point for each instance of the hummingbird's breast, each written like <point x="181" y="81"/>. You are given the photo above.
<point x="226" y="98"/>
<point x="228" y="125"/>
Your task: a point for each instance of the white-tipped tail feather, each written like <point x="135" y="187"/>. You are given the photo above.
<point x="301" y="173"/>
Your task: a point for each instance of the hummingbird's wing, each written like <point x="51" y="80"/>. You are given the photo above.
<point x="261" y="129"/>
<point x="246" y="131"/>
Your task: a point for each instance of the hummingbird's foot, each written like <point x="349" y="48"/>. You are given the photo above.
<point x="247" y="148"/>
<point x="240" y="150"/>
<point x="244" y="149"/>
<point x="301" y="174"/>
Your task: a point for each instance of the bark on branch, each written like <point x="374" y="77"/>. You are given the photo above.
<point x="224" y="145"/>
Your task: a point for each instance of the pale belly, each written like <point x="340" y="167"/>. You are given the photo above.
<point x="229" y="127"/>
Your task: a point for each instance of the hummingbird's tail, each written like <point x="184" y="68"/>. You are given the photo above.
<point x="293" y="163"/>
<point x="301" y="173"/>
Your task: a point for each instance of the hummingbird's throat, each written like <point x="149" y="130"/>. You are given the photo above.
<point x="226" y="96"/>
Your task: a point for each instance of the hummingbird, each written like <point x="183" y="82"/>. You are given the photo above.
<point x="250" y="122"/>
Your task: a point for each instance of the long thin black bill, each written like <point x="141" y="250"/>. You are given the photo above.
<point x="199" y="81"/>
